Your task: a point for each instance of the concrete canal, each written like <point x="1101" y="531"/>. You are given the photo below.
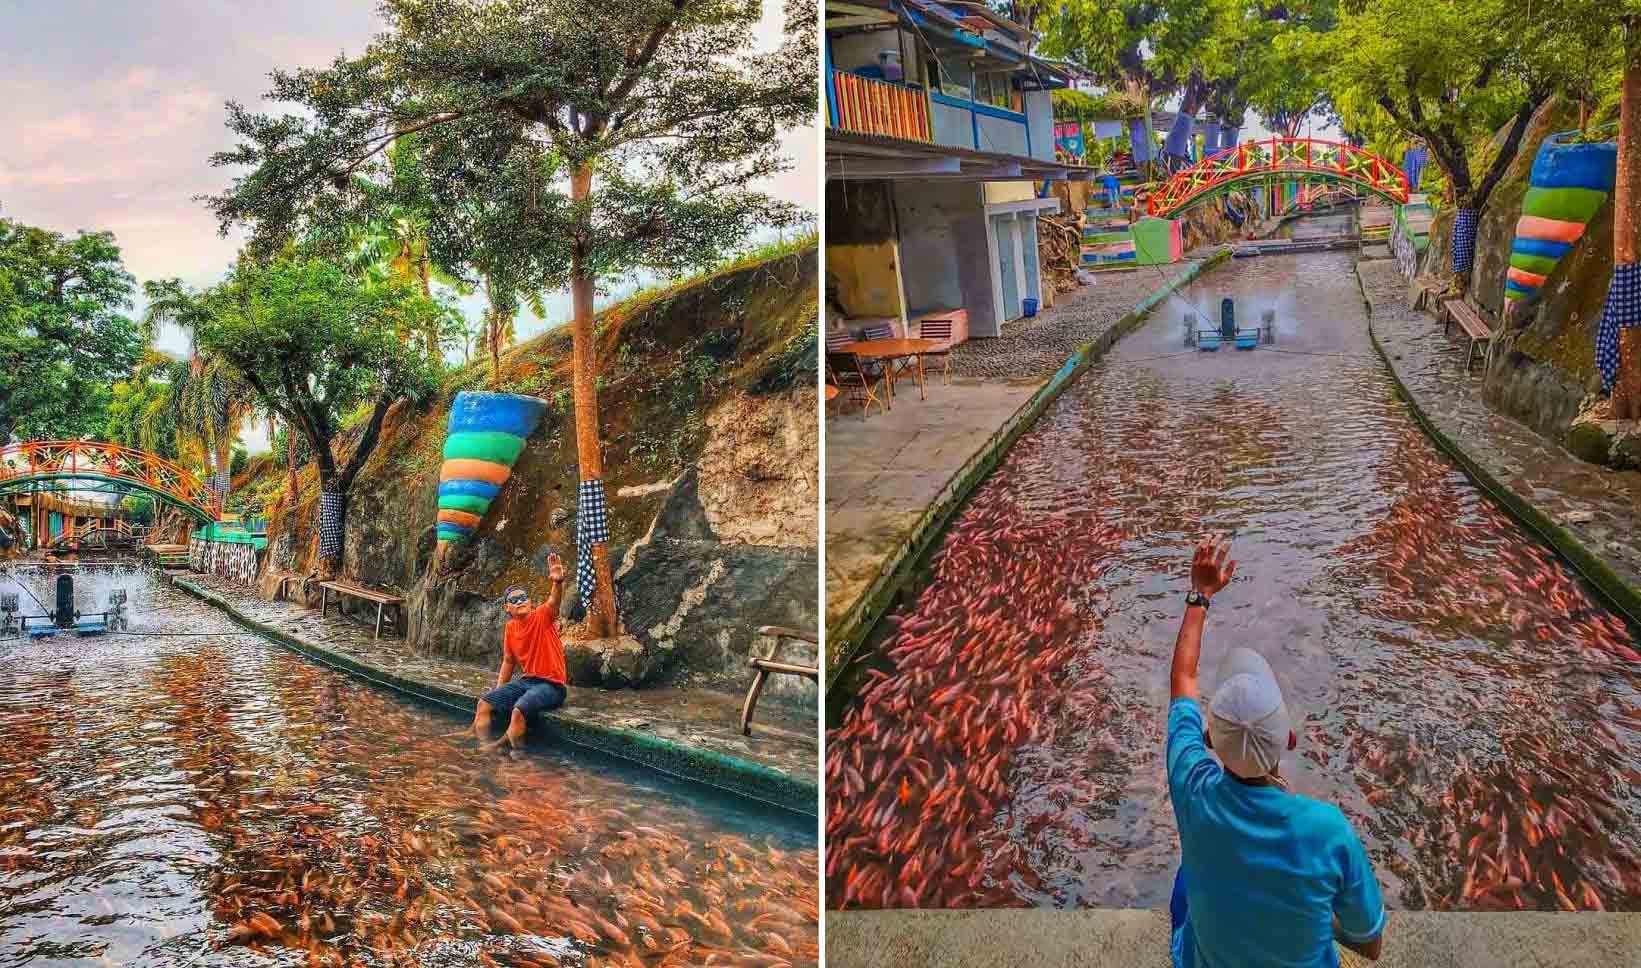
<point x="1462" y="697"/>
<point x="172" y="795"/>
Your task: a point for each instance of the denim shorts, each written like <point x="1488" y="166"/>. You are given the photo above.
<point x="529" y="695"/>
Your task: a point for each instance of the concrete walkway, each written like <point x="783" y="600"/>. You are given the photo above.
<point x="784" y="735"/>
<point x="1597" y="507"/>
<point x="883" y="470"/>
<point x="1139" y="939"/>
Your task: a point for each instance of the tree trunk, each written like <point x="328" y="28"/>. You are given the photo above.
<point x="1626" y="216"/>
<point x="601" y="614"/>
<point x="290" y="459"/>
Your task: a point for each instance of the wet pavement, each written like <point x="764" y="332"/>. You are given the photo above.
<point x="1033" y="348"/>
<point x="1468" y="704"/>
<point x="784" y="734"/>
<point x="172" y="796"/>
<point x="1600" y="506"/>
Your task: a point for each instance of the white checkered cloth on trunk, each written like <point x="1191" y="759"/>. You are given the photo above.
<point x="592" y="525"/>
<point x="1622" y="311"/>
<point x="330" y="525"/>
<point x="1464" y="240"/>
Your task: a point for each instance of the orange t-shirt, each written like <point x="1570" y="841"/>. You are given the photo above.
<point x="534" y="644"/>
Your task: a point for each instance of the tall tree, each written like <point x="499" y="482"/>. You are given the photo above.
<point x="210" y="400"/>
<point x="63" y="337"/>
<point x="1450" y="72"/>
<point x="316" y="344"/>
<point x="1623" y="309"/>
<point x="1147" y="47"/>
<point x="655" y="113"/>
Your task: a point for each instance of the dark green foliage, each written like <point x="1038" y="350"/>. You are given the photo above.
<point x="797" y="363"/>
<point x="63" y="339"/>
<point x="316" y="342"/>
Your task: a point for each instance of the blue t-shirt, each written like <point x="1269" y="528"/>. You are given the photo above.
<point x="1265" y="870"/>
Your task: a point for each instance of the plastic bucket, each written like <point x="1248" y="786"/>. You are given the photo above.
<point x="1028" y="306"/>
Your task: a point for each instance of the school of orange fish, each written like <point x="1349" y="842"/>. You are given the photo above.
<point x="350" y="832"/>
<point x="996" y="659"/>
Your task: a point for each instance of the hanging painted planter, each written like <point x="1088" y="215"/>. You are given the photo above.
<point x="1568" y="185"/>
<point x="486" y="435"/>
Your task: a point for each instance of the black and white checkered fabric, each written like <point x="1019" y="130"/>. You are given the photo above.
<point x="592" y="525"/>
<point x="330" y="525"/>
<point x="1622" y="310"/>
<point x="1464" y="240"/>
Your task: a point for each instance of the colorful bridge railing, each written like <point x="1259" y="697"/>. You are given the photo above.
<point x="1278" y="160"/>
<point x="87" y="460"/>
<point x="867" y="106"/>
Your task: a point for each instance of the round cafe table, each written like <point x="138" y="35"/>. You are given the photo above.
<point x="890" y="350"/>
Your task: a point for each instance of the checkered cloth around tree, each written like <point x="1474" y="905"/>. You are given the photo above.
<point x="330" y="525"/>
<point x="1464" y="240"/>
<point x="1622" y="311"/>
<point x="592" y="525"/>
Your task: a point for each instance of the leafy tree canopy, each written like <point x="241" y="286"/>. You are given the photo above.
<point x="63" y="339"/>
<point x="505" y="98"/>
<point x="1446" y="71"/>
<point x="316" y="342"/>
<point x="1151" y="45"/>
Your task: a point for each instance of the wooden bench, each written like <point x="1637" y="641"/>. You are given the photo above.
<point x="769" y="664"/>
<point x="382" y="600"/>
<point x="1456" y="310"/>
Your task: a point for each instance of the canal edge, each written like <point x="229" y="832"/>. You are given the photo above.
<point x="723" y="773"/>
<point x="1620" y="594"/>
<point x="845" y="639"/>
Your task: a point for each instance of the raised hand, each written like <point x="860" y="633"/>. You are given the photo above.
<point x="1209" y="570"/>
<point x="555" y="567"/>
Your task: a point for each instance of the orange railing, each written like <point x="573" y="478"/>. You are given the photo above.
<point x="867" y="106"/>
<point x="91" y="460"/>
<point x="1281" y="159"/>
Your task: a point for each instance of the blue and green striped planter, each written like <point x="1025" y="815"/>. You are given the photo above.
<point x="486" y="434"/>
<point x="1567" y="186"/>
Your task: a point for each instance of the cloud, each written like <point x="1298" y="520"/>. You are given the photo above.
<point x="110" y="112"/>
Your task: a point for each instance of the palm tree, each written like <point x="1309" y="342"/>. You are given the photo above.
<point x="210" y="400"/>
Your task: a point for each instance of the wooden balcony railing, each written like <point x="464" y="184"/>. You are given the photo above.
<point x="867" y="106"/>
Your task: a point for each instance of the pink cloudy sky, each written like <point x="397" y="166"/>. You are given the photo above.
<point x="109" y="110"/>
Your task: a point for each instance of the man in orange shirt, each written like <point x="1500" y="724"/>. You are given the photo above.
<point x="529" y="642"/>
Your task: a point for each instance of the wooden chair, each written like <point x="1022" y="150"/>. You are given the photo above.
<point x="939" y="330"/>
<point x="769" y="664"/>
<point x="896" y="369"/>
<point x="857" y="380"/>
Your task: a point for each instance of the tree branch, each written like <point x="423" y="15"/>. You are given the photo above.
<point x="367" y="443"/>
<point x="1507" y="151"/>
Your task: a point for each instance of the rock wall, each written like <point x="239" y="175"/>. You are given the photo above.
<point x="711" y="444"/>
<point x="1542" y="370"/>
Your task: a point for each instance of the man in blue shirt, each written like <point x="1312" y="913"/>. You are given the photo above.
<point x="1267" y="877"/>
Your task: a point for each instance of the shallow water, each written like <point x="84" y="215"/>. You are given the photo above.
<point x="217" y="799"/>
<point x="1471" y="707"/>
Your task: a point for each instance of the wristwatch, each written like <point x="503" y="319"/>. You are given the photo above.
<point x="1194" y="597"/>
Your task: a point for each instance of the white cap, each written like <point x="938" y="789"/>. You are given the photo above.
<point x="1248" y="721"/>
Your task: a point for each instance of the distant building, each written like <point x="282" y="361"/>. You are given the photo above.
<point x="939" y="124"/>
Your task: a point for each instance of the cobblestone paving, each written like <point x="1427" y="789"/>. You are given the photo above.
<point x="783" y="734"/>
<point x="1601" y="507"/>
<point x="1037" y="347"/>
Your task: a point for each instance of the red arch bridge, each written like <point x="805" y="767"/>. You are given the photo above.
<point x="23" y="467"/>
<point x="1273" y="161"/>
